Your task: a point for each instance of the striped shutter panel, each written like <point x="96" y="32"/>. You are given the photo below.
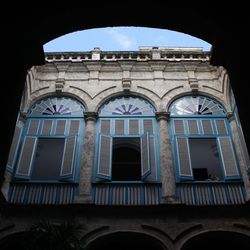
<point x="207" y="127"/>
<point x="184" y="161"/>
<point x="179" y="127"/>
<point x="26" y="156"/>
<point x="14" y="146"/>
<point x="228" y="158"/>
<point x="74" y="127"/>
<point x="145" y="156"/>
<point x="60" y="127"/>
<point x="105" y="127"/>
<point x="119" y="127"/>
<point x="47" y="125"/>
<point x="193" y="127"/>
<point x="153" y="160"/>
<point x="104" y="157"/>
<point x="67" y="167"/>
<point x="148" y="126"/>
<point x="221" y="127"/>
<point x="33" y="127"/>
<point x="134" y="127"/>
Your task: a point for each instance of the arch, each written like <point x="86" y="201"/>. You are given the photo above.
<point x="196" y="105"/>
<point x="56" y="105"/>
<point x="217" y="240"/>
<point x="13" y="241"/>
<point x="126" y="240"/>
<point x="127" y="105"/>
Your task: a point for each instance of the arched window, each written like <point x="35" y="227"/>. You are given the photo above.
<point x="51" y="141"/>
<point x="127" y="141"/>
<point x="203" y="148"/>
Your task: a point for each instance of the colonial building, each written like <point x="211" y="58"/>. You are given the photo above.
<point x="144" y="148"/>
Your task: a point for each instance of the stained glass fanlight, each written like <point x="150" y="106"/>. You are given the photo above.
<point x="131" y="106"/>
<point x="57" y="106"/>
<point x="196" y="105"/>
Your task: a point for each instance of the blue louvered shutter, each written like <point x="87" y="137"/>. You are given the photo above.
<point x="26" y="157"/>
<point x="14" y="147"/>
<point x="67" y="167"/>
<point x="145" y="155"/>
<point x="228" y="158"/>
<point x="104" y="157"/>
<point x="183" y="158"/>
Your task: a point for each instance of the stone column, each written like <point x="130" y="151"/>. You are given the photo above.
<point x="166" y="161"/>
<point x="87" y="159"/>
<point x="240" y="156"/>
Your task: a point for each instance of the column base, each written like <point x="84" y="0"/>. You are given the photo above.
<point x="170" y="200"/>
<point x="83" y="199"/>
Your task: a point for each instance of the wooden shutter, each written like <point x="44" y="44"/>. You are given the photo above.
<point x="183" y="156"/>
<point x="13" y="148"/>
<point x="26" y="156"/>
<point x="179" y="127"/>
<point x="148" y="126"/>
<point x="228" y="158"/>
<point x="67" y="167"/>
<point x="153" y="161"/>
<point x="145" y="156"/>
<point x="104" y="157"/>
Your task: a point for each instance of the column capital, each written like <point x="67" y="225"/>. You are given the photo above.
<point x="230" y="116"/>
<point x="162" y="115"/>
<point x="90" y="116"/>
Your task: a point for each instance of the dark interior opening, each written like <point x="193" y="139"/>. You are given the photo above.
<point x="126" y="161"/>
<point x="48" y="159"/>
<point x="205" y="159"/>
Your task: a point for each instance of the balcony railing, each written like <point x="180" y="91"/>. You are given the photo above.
<point x="211" y="193"/>
<point x="42" y="193"/>
<point x="131" y="194"/>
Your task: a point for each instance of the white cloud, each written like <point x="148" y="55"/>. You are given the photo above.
<point x="123" y="40"/>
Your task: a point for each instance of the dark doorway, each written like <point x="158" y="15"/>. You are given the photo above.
<point x="126" y="161"/>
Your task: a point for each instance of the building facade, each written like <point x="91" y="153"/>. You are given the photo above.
<point x="144" y="148"/>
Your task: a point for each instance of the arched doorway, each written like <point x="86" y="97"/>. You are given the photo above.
<point x="126" y="240"/>
<point x="217" y="241"/>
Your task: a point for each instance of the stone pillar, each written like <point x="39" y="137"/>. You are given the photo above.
<point x="87" y="159"/>
<point x="166" y="161"/>
<point x="240" y="156"/>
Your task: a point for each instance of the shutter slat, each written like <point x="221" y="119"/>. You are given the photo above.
<point x="185" y="170"/>
<point x="105" y="157"/>
<point x="24" y="164"/>
<point x="228" y="157"/>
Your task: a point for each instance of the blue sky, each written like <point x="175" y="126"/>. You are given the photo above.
<point x="122" y="38"/>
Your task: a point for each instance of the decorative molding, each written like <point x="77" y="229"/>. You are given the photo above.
<point x="90" y="116"/>
<point x="126" y="84"/>
<point x="163" y="115"/>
